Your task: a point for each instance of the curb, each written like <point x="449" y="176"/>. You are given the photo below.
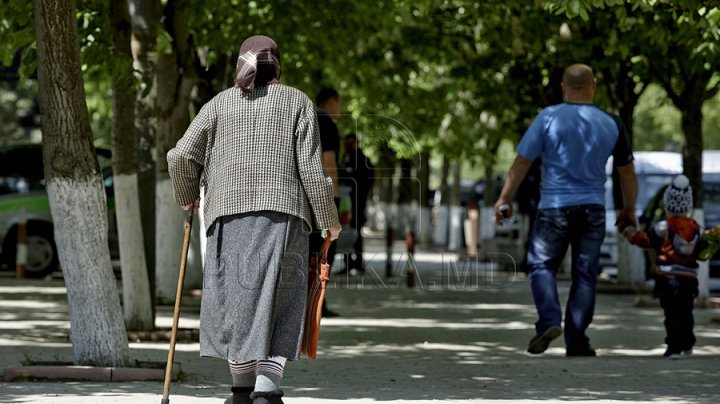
<point x="91" y="373"/>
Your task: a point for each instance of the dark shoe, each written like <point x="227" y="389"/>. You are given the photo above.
<point x="587" y="351"/>
<point x="672" y="354"/>
<point x="540" y="342"/>
<point x="267" y="397"/>
<point x="241" y="395"/>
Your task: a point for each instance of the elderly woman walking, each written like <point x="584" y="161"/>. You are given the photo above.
<point x="255" y="148"/>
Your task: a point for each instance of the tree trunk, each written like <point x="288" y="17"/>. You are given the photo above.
<point x="424" y="229"/>
<point x="144" y="21"/>
<point x="490" y="184"/>
<point x="691" y="123"/>
<point x="75" y="191"/>
<point x="444" y="181"/>
<point x="689" y="100"/>
<point x="174" y="81"/>
<point x="442" y="215"/>
<point x="490" y="161"/>
<point x="456" y="220"/>
<point x="620" y="87"/>
<point x="137" y="303"/>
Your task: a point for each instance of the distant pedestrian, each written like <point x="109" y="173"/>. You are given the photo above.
<point x="528" y="198"/>
<point x="574" y="140"/>
<point x="357" y="172"/>
<point x="677" y="242"/>
<point x="329" y="108"/>
<point x="255" y="148"/>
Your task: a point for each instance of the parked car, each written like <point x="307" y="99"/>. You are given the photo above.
<point x="22" y="186"/>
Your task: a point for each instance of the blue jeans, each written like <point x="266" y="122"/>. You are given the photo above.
<point x="582" y="228"/>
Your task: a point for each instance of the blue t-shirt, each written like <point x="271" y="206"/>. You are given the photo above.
<point x="574" y="142"/>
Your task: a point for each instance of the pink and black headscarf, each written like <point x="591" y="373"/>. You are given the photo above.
<point x="258" y="63"/>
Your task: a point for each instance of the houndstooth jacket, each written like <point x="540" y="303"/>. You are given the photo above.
<point x="255" y="152"/>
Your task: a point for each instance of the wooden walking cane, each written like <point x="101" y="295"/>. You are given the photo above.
<point x="176" y="314"/>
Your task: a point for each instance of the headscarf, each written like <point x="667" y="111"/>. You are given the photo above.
<point x="258" y="52"/>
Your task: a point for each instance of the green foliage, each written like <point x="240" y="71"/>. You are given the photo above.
<point x="583" y="8"/>
<point x="17" y="34"/>
<point x="18" y="111"/>
<point x="657" y="122"/>
<point x="458" y="77"/>
<point x="711" y="123"/>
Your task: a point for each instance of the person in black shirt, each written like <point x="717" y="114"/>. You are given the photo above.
<point x="329" y="107"/>
<point x="357" y="173"/>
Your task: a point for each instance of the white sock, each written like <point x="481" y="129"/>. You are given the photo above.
<point x="269" y="373"/>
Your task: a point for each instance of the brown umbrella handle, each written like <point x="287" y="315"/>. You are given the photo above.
<point x="176" y="313"/>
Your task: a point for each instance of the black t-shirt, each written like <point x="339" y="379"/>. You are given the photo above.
<point x="329" y="136"/>
<point x="622" y="153"/>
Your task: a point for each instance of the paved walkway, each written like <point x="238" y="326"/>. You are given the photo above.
<point x="459" y="336"/>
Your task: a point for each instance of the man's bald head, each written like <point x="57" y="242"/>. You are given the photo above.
<point x="578" y="84"/>
<point x="578" y="76"/>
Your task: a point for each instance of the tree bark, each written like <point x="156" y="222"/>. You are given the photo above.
<point x="75" y="190"/>
<point x="424" y="230"/>
<point x="175" y="79"/>
<point x="691" y="123"/>
<point x="137" y="303"/>
<point x="490" y="183"/>
<point x="144" y="20"/>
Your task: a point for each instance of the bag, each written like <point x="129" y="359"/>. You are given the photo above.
<point x="318" y="275"/>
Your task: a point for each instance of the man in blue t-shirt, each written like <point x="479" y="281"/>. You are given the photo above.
<point x="574" y="140"/>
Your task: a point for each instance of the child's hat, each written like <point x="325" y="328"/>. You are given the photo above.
<point x="678" y="196"/>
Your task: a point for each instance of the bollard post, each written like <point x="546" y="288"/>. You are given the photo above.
<point x="21" y="249"/>
<point x="410" y="272"/>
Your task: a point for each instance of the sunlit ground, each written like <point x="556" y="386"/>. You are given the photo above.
<point x="462" y="339"/>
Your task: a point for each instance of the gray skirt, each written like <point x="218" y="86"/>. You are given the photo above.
<point x="254" y="287"/>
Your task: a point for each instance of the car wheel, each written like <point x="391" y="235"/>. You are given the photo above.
<point x="42" y="256"/>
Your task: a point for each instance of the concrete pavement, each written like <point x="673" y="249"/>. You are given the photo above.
<point x="459" y="336"/>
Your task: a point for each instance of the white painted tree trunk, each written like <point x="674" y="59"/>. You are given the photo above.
<point x="440" y="229"/>
<point x="97" y="333"/>
<point x="455" y="236"/>
<point x="631" y="263"/>
<point x="137" y="305"/>
<point x="704" y="269"/>
<point x="424" y="226"/>
<point x="169" y="230"/>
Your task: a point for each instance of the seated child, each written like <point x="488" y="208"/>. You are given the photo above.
<point x="678" y="241"/>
